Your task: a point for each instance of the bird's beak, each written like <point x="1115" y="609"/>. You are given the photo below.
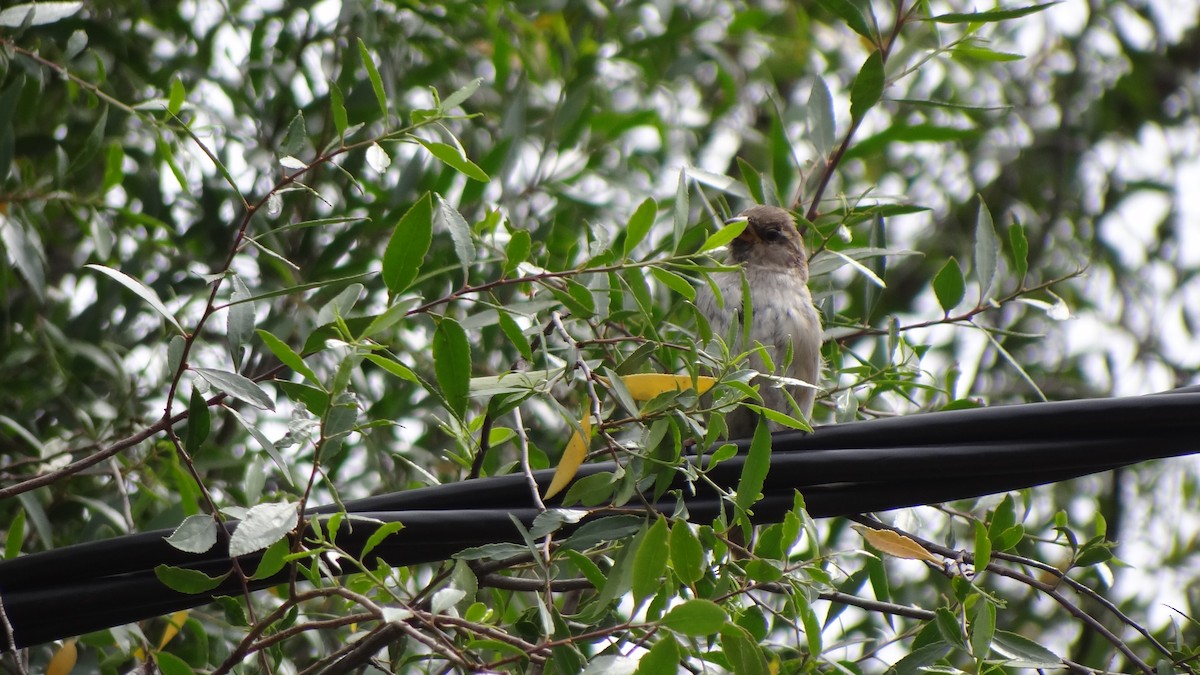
<point x="747" y="234"/>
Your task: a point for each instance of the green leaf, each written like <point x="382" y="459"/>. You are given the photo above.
<point x="196" y="534"/>
<point x="723" y="236"/>
<point x="965" y="52"/>
<point x="663" y="657"/>
<point x="141" y="290"/>
<point x="576" y="298"/>
<point x="273" y="560"/>
<point x="983" y="628"/>
<point x="187" y="581"/>
<point x="454" y="158"/>
<point x="639" y="225"/>
<point x="1020" y="249"/>
<point x="25" y="251"/>
<point x="15" y="536"/>
<point x="237" y="386"/>
<point x="517" y="251"/>
<point x="754" y="471"/>
<point x="175" y="99"/>
<point x="848" y="12"/>
<point x="295" y="138"/>
<point x="449" y="218"/>
<point x="990" y="16"/>
<point x="199" y="422"/>
<point x="514" y="334"/>
<point x="821" y="122"/>
<point x="337" y="109"/>
<point x="394" y="367"/>
<point x="949" y="286"/>
<point x="382" y="532"/>
<point x="674" y="282"/>
<point x="983" y="548"/>
<point x="1023" y="652"/>
<point x="263" y="525"/>
<point x="696" y="618"/>
<point x="742" y="651"/>
<point x="987" y="251"/>
<point x="373" y="75"/>
<point x="287" y="355"/>
<point x="407" y="247"/>
<point x="868" y="86"/>
<point x="909" y="133"/>
<point x="682" y="211"/>
<point x="37" y="13"/>
<point x="114" y="169"/>
<point x="650" y="563"/>
<point x="687" y="554"/>
<point x="461" y="95"/>
<point x="239" y="321"/>
<point x="452" y="364"/>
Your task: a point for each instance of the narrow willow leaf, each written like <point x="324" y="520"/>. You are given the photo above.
<point x="141" y="290"/>
<point x="452" y="364"/>
<point x="407" y="247"/>
<point x="287" y="356"/>
<point x="25" y="252"/>
<point x="239" y="323"/>
<point x="682" y="210"/>
<point x="572" y="459"/>
<point x="948" y="285"/>
<point x="517" y="251"/>
<point x="296" y="137"/>
<point x="754" y="471"/>
<point x="461" y="95"/>
<point x="650" y="563"/>
<point x="237" y="386"/>
<point x="639" y="225"/>
<point x="645" y="386"/>
<point x="674" y="282"/>
<point x="175" y="98"/>
<point x="187" y="581"/>
<point x="896" y="545"/>
<point x="337" y="109"/>
<point x="454" y="158"/>
<point x="42" y="13"/>
<point x="848" y="12"/>
<point x="199" y="422"/>
<point x="687" y="554"/>
<point x="724" y="235"/>
<point x="373" y="75"/>
<point x="987" y="251"/>
<point x="1020" y="249"/>
<point x="990" y="16"/>
<point x="868" y="86"/>
<point x="821" y="122"/>
<point x="446" y="216"/>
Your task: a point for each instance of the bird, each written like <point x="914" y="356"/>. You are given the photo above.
<point x="774" y="260"/>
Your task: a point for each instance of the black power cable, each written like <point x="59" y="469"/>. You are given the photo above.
<point x="841" y="470"/>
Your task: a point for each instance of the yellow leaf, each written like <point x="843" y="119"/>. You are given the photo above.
<point x="172" y="629"/>
<point x="645" y="386"/>
<point x="63" y="660"/>
<point x="572" y="457"/>
<point x="896" y="545"/>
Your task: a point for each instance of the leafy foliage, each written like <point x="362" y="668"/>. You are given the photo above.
<point x="262" y="259"/>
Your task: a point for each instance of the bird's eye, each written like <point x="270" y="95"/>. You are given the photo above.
<point x="772" y="235"/>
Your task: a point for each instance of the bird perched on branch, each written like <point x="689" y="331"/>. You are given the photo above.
<point x="782" y="316"/>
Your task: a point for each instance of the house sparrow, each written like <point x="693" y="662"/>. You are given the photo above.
<point x="775" y="263"/>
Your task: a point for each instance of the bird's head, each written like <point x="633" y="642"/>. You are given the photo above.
<point x="769" y="240"/>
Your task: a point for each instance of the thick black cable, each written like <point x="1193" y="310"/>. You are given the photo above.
<point x="840" y="470"/>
